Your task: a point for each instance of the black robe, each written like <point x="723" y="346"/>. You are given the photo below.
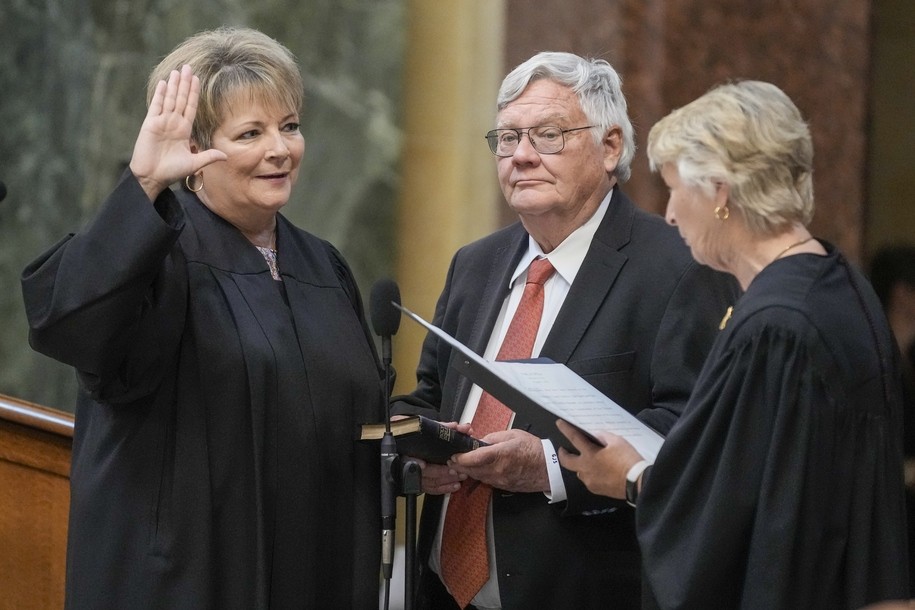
<point x="781" y="486"/>
<point x="214" y="462"/>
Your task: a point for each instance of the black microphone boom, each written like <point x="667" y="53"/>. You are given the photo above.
<point x="3" y="196"/>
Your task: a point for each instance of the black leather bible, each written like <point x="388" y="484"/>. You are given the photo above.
<point x="424" y="438"/>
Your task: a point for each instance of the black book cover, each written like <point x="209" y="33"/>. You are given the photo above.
<point x="420" y="437"/>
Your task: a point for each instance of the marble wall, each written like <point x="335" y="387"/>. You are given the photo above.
<point x="671" y="51"/>
<point x="72" y="79"/>
<point x="72" y="91"/>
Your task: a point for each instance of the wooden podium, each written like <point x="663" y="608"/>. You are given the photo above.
<point x="35" y="445"/>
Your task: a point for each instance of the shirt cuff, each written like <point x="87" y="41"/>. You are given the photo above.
<point x="554" y="472"/>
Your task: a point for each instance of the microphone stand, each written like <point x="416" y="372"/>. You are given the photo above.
<point x="389" y="459"/>
<point x="400" y="476"/>
<point x="411" y="487"/>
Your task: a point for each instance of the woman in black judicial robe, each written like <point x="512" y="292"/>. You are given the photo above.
<point x="781" y="485"/>
<point x="223" y="359"/>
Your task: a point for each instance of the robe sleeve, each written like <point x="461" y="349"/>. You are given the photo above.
<point x="772" y="482"/>
<point x="751" y="501"/>
<point x="351" y="288"/>
<point x="366" y="465"/>
<point x="109" y="300"/>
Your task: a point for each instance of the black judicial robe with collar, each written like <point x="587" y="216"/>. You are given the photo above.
<point x="637" y="323"/>
<point x="781" y="486"/>
<point x="214" y="462"/>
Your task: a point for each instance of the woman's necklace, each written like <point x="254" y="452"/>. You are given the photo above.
<point x="269" y="255"/>
<point x="794" y="245"/>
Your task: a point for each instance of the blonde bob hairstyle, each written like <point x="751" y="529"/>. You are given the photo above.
<point x="750" y="136"/>
<point x="235" y="66"/>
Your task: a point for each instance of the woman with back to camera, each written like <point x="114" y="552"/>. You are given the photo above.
<point x="223" y="358"/>
<point x="781" y="484"/>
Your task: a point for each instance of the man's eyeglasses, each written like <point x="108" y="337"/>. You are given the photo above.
<point x="546" y="139"/>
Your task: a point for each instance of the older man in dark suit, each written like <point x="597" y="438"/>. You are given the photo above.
<point x="621" y="302"/>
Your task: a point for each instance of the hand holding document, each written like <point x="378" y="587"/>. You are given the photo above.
<point x="530" y="387"/>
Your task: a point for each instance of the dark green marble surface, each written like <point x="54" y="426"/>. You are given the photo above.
<point x="72" y="97"/>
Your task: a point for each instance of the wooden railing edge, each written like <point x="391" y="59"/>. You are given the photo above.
<point x="36" y="416"/>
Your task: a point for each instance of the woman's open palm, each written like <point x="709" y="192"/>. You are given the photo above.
<point x="162" y="154"/>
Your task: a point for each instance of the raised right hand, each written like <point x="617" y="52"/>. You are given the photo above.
<point x="162" y="154"/>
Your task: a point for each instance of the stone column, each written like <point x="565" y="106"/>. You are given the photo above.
<point x="449" y="187"/>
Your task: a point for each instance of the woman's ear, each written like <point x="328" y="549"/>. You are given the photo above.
<point x="722" y="193"/>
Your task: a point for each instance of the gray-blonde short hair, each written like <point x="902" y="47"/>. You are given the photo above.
<point x="750" y="136"/>
<point x="230" y="61"/>
<point x="597" y="86"/>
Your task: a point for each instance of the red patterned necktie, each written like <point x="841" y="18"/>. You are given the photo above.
<point x="465" y="561"/>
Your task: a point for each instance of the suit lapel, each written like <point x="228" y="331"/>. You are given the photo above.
<point x="588" y="292"/>
<point x="503" y="264"/>
<point x="491" y="300"/>
<point x="591" y="287"/>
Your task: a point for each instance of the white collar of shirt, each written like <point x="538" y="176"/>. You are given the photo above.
<point x="568" y="256"/>
<point x="567" y="259"/>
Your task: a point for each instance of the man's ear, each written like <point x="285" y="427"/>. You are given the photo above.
<point x="613" y="148"/>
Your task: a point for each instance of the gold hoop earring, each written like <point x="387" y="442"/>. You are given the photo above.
<point x="187" y="183"/>
<point x="721" y="212"/>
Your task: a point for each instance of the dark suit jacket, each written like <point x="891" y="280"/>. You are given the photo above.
<point x="637" y="324"/>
